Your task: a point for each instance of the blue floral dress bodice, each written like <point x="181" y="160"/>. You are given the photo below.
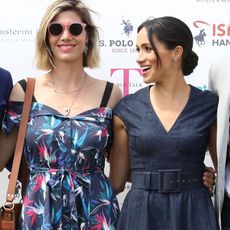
<point x="67" y="187"/>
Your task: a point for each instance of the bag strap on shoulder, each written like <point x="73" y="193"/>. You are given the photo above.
<point x="20" y="140"/>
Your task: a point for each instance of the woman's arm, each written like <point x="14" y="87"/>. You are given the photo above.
<point x="212" y="145"/>
<point x="209" y="174"/>
<point x="119" y="158"/>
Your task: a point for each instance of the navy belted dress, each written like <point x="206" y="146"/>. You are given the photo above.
<point x="167" y="166"/>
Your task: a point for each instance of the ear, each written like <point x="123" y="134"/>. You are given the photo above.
<point x="177" y="53"/>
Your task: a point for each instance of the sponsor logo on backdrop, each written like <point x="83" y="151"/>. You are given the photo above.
<point x="123" y="43"/>
<point x="13" y="34"/>
<point x="125" y="75"/>
<point x="211" y="34"/>
<point x="200" y="38"/>
<point x="202" y="87"/>
<point x="127" y="27"/>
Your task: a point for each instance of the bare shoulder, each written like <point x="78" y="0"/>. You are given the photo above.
<point x="17" y="93"/>
<point x="116" y="95"/>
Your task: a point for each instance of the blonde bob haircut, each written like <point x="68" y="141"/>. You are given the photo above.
<point x="43" y="55"/>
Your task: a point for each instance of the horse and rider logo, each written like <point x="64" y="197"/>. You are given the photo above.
<point x="200" y="38"/>
<point x="127" y="27"/>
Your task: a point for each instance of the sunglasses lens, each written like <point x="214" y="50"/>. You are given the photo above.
<point x="55" y="29"/>
<point x="75" y="29"/>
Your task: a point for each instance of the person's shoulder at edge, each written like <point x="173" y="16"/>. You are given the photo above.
<point x="6" y="77"/>
<point x="5" y="72"/>
<point x="222" y="62"/>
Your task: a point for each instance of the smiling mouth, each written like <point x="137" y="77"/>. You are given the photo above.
<point x="66" y="46"/>
<point x="146" y="68"/>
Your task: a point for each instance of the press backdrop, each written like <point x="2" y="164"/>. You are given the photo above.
<point x="118" y="20"/>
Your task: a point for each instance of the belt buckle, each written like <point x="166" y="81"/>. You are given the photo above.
<point x="169" y="181"/>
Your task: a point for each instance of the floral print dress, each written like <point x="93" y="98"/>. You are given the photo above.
<point x="67" y="187"/>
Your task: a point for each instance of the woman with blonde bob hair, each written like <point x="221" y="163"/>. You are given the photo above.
<point x="69" y="128"/>
<point x="44" y="56"/>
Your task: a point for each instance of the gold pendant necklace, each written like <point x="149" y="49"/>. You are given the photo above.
<point x="68" y="109"/>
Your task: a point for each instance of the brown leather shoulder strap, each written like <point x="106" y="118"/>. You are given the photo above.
<point x="20" y="139"/>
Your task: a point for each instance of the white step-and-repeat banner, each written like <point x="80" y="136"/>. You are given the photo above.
<point x="118" y="20"/>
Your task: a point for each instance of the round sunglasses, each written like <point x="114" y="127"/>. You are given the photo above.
<point x="57" y="28"/>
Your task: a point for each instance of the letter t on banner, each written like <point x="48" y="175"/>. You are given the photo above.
<point x="126" y="73"/>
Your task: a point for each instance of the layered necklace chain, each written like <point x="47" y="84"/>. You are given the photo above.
<point x="76" y="91"/>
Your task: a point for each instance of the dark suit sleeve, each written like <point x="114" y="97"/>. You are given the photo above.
<point x="9" y="86"/>
<point x="6" y="85"/>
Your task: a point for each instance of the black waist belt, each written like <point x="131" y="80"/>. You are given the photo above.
<point x="167" y="181"/>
